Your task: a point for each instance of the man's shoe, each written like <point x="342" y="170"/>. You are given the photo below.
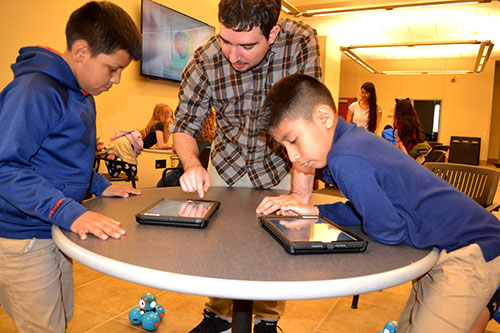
<point x="266" y="327"/>
<point x="211" y="323"/>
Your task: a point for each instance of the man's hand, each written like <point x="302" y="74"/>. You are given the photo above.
<point x="98" y="225"/>
<point x="120" y="191"/>
<point x="195" y="179"/>
<point x="270" y="205"/>
<point x="192" y="209"/>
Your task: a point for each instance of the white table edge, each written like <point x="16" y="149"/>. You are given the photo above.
<point x="159" y="151"/>
<point x="243" y="289"/>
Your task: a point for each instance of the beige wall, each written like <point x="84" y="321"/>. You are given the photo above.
<point x="494" y="150"/>
<point x="466" y="103"/>
<point x="126" y="106"/>
<point x="330" y="63"/>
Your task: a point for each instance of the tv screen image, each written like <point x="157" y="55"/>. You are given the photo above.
<point x="168" y="40"/>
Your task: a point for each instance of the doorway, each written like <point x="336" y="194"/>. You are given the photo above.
<point x="428" y="111"/>
<point x="344" y="103"/>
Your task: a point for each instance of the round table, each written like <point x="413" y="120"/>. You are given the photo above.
<point x="234" y="257"/>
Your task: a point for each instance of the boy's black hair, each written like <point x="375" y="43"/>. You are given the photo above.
<point x="106" y="27"/>
<point x="244" y="15"/>
<point x="295" y="96"/>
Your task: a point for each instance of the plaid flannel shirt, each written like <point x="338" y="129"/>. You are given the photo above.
<point x="242" y="144"/>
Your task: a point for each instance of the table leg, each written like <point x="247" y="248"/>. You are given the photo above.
<point x="242" y="316"/>
<point x="354" y="304"/>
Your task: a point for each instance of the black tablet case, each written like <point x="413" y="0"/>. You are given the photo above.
<point x="177" y="221"/>
<point x="313" y="247"/>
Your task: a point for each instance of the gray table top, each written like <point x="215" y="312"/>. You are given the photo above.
<point x="234" y="257"/>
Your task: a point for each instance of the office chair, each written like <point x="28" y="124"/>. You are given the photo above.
<point x="164" y="182"/>
<point x="435" y="155"/>
<point x="122" y="177"/>
<point x="479" y="183"/>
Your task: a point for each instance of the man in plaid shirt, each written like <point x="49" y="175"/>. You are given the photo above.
<point x="232" y="73"/>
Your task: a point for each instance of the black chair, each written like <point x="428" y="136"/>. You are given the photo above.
<point x="164" y="182"/>
<point x="477" y="182"/>
<point x="435" y="155"/>
<point x="441" y="147"/>
<point x="122" y="177"/>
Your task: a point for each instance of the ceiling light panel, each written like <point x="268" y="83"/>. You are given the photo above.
<point x="463" y="51"/>
<point x="465" y="22"/>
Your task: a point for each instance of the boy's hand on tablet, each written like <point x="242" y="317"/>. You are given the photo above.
<point x="269" y="205"/>
<point x="120" y="191"/>
<point x="294" y="207"/>
<point x="195" y="179"/>
<point x="99" y="225"/>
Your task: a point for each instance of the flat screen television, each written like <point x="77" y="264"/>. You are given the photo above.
<point x="168" y="40"/>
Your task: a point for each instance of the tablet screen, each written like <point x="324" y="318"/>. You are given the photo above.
<point x="187" y="208"/>
<point x="310" y="230"/>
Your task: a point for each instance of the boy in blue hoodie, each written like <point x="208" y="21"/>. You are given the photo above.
<point x="47" y="119"/>
<point x="396" y="200"/>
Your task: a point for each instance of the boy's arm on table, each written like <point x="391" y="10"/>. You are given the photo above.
<point x="35" y="196"/>
<point x="99" y="225"/>
<point x="358" y="181"/>
<point x="101" y="186"/>
<point x="302" y="183"/>
<point x="26" y="124"/>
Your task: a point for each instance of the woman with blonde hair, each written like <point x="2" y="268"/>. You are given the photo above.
<point x="125" y="146"/>
<point x="157" y="130"/>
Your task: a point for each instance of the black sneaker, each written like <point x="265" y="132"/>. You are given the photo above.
<point x="266" y="327"/>
<point x="212" y="324"/>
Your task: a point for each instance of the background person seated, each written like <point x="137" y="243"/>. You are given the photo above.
<point x="390" y="134"/>
<point x="171" y="177"/>
<point x="409" y="133"/>
<point x="127" y="145"/>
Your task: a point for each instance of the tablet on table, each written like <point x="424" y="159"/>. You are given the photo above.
<point x="311" y="235"/>
<point x="179" y="213"/>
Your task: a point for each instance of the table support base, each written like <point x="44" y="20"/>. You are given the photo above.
<point x="354" y="304"/>
<point x="242" y="316"/>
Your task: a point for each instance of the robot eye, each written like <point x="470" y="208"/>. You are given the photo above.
<point x="153" y="304"/>
<point x="142" y="303"/>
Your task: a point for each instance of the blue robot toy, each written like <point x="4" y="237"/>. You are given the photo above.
<point x="148" y="313"/>
<point x="390" y="327"/>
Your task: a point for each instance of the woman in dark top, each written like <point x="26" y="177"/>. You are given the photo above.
<point x="409" y="133"/>
<point x="204" y="141"/>
<point x="126" y="146"/>
<point x="157" y="130"/>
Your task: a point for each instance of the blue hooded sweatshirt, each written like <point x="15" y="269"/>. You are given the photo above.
<point x="47" y="154"/>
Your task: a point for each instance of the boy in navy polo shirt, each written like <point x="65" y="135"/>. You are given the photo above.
<point x="395" y="200"/>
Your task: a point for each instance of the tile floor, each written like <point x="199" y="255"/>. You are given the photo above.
<point x="102" y="304"/>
